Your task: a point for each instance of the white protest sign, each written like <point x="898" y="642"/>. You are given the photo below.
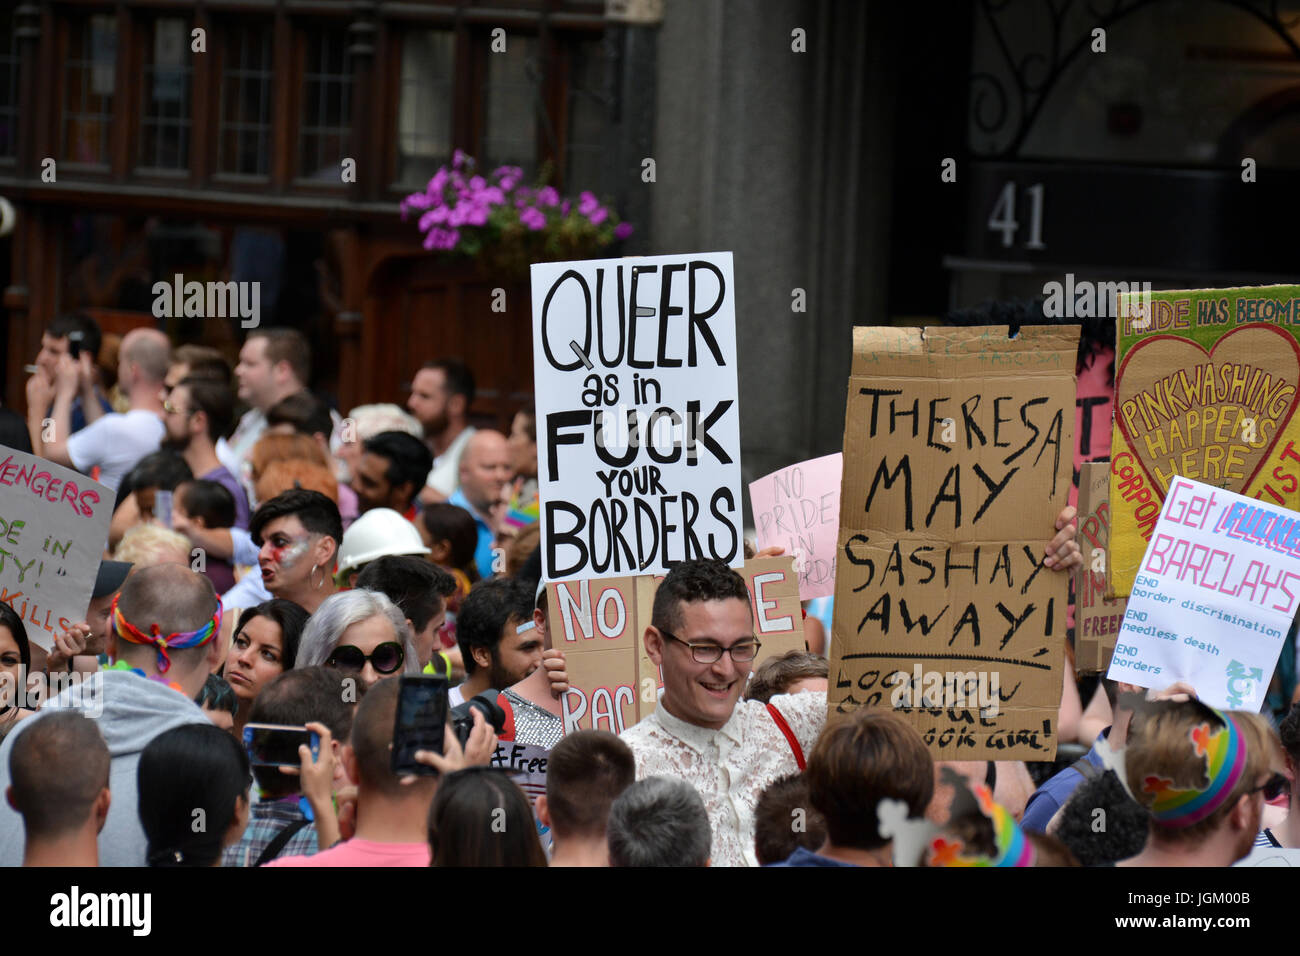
<point x="1214" y="596"/>
<point x="638" y="437"/>
<point x="53" y="527"/>
<point x="798" y="509"/>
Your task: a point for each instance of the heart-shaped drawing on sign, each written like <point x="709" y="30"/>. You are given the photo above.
<point x="1211" y="416"/>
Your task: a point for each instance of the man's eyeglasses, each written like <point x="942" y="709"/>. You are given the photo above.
<point x="709" y="653"/>
<point x="387" y="658"/>
<point x="1274" y="787"/>
<point x="173" y="410"/>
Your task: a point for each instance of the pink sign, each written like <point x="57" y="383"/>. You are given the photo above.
<point x="798" y="509"/>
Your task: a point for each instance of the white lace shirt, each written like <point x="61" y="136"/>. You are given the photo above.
<point x="730" y="767"/>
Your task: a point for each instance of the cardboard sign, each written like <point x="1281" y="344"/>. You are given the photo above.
<point x="957" y="459"/>
<point x="1205" y="388"/>
<point x="638" y="438"/>
<point x="1097" y="618"/>
<point x="798" y="509"/>
<point x="1213" y="598"/>
<point x="600" y="624"/>
<point x="594" y="621"/>
<point x="53" y="527"/>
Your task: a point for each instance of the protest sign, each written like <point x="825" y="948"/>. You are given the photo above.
<point x="1094" y="406"/>
<point x="1096" y="617"/>
<point x="774" y="599"/>
<point x="600" y="625"/>
<point x="957" y="460"/>
<point x="638" y="438"/>
<point x="1205" y="388"/>
<point x="798" y="509"/>
<point x="53" y="527"/>
<point x="595" y="623"/>
<point x="1213" y="597"/>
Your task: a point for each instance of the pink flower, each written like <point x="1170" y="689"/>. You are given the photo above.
<point x="547" y="196"/>
<point x="587" y="203"/>
<point x="598" y="215"/>
<point x="460" y="158"/>
<point x="416" y="201"/>
<point x="441" y="238"/>
<point x="476" y="216"/>
<point x="622" y="230"/>
<point x="533" y="218"/>
<point x="434" y="217"/>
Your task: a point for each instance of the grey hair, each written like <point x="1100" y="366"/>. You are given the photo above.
<point x="659" y="821"/>
<point x="340" y="611"/>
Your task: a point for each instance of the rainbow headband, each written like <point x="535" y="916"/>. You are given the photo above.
<point x="1225" y="761"/>
<point x="176" y="642"/>
<point x="1012" y="847"/>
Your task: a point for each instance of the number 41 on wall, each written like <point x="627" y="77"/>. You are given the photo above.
<point x="1003" y="217"/>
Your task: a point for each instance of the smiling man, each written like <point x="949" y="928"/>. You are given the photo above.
<point x="702" y="636"/>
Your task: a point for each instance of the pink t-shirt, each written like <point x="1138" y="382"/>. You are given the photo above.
<point x="356" y="852"/>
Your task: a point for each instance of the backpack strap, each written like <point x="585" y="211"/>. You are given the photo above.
<point x="789" y="735"/>
<point x="1086" y="770"/>
<point x="280" y="841"/>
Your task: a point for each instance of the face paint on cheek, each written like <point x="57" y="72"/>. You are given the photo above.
<point x="291" y="554"/>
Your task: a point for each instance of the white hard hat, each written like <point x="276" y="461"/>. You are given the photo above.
<point x="378" y="532"/>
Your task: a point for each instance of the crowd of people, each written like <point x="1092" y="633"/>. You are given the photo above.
<point x="272" y="562"/>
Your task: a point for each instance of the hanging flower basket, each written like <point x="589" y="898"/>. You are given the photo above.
<point x="504" y="224"/>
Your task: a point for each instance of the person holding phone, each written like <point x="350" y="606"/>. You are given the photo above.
<point x="391" y="810"/>
<point x="294" y="815"/>
<point x="76" y="335"/>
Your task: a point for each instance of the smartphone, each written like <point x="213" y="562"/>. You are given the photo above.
<point x="276" y="745"/>
<point x="421" y="717"/>
<point x="162" y="507"/>
<point x="74" y="344"/>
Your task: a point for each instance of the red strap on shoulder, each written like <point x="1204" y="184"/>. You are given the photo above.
<point x="508" y="728"/>
<point x="789" y="735"/>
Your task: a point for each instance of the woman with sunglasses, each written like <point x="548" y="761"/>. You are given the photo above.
<point x="360" y="632"/>
<point x="264" y="647"/>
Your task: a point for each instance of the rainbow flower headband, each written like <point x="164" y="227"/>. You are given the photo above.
<point x="178" y="641"/>
<point x="1012" y="847"/>
<point x="1225" y="762"/>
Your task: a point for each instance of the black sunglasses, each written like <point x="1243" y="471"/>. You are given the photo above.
<point x="1274" y="787"/>
<point x="387" y="658"/>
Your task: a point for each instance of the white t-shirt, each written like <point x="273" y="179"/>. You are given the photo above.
<point x="115" y="442"/>
<point x="455" y="696"/>
<point x="444" y="477"/>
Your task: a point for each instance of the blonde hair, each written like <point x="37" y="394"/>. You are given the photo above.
<point x="1161" y="746"/>
<point x="149" y="545"/>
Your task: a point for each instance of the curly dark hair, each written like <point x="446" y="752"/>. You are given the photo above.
<point x="1117" y="833"/>
<point x="1289" y="731"/>
<point x="704" y="579"/>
